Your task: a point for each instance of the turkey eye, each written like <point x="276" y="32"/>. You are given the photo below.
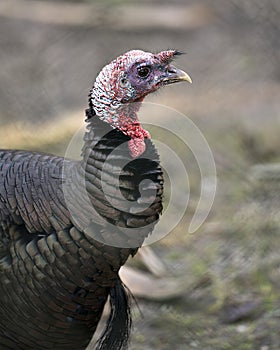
<point x="143" y="72"/>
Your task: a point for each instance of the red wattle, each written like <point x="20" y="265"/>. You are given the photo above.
<point x="136" y="147"/>
<point x="137" y="143"/>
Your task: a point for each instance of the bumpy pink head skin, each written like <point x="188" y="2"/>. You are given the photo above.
<point x="116" y="95"/>
<point x="166" y="56"/>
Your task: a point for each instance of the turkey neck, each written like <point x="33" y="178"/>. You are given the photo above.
<point x="113" y="182"/>
<point x="121" y="115"/>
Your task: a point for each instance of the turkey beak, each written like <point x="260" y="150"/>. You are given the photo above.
<point x="175" y="75"/>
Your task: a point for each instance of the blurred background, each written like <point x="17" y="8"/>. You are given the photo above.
<point x="220" y="286"/>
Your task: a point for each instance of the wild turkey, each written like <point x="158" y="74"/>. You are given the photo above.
<point x="68" y="226"/>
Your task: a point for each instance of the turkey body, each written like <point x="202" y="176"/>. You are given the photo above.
<point x="66" y="227"/>
<point x="56" y="269"/>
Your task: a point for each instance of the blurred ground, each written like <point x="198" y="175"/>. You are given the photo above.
<point x="49" y="57"/>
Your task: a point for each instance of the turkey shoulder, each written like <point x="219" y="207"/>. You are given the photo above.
<point x="31" y="191"/>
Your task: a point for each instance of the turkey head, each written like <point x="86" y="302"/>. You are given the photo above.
<point x="122" y="85"/>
